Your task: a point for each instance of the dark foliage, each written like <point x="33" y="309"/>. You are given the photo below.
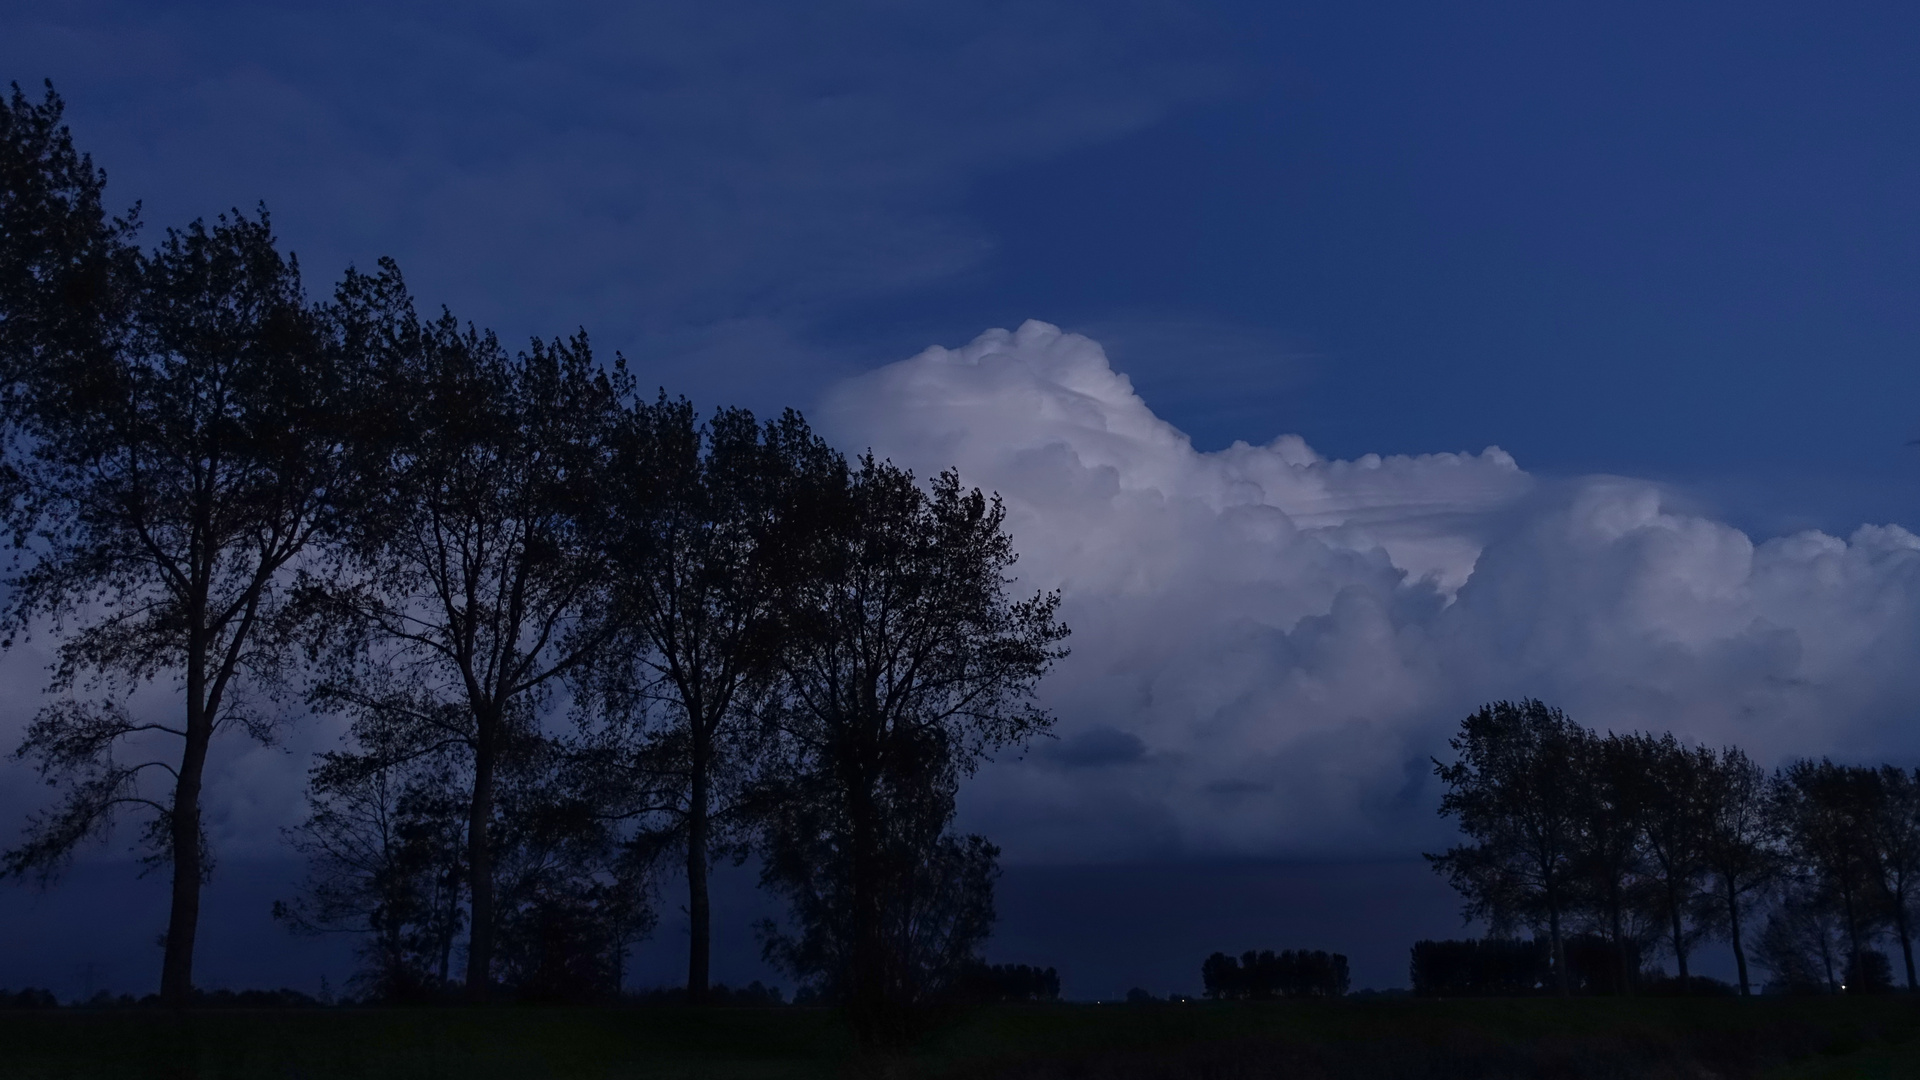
<point x="570" y="901"/>
<point x="65" y="267"/>
<point x="1824" y="813"/>
<point x="1642" y="845"/>
<point x="1802" y="944"/>
<point x="1007" y="982"/>
<point x="385" y="853"/>
<point x="1258" y="976"/>
<point x="690" y="515"/>
<point x="1516" y="790"/>
<point x="1599" y="964"/>
<point x="1673" y="788"/>
<point x="28" y="998"/>
<point x="170" y="478"/>
<point x="904" y="663"/>
<point x="1868" y="972"/>
<point x="1482" y="967"/>
<point x="472" y="583"/>
<point x="1740" y="859"/>
<point x="1893" y="833"/>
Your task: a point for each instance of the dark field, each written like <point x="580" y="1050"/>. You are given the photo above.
<point x="1416" y="1040"/>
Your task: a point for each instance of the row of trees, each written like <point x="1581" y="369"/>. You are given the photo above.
<point x="1510" y="967"/>
<point x="1484" y="967"/>
<point x="1258" y="976"/>
<point x="1653" y="846"/>
<point x="570" y="629"/>
<point x="1007" y="982"/>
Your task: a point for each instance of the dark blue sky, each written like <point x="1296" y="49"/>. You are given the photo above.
<point x="1676" y="241"/>
<point x="1657" y="239"/>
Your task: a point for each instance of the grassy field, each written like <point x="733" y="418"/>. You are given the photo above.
<point x="1587" y="1039"/>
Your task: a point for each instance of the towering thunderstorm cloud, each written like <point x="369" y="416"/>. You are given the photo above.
<point x="1269" y="646"/>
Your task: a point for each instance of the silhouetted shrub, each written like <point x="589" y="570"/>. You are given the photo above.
<point x="1007" y="982"/>
<point x="1868" y="972"/>
<point x="1139" y="996"/>
<point x="28" y="998"/>
<point x="1596" y="965"/>
<point x="1488" y="967"/>
<point x="1266" y="974"/>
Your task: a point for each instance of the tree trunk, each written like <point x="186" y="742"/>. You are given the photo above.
<point x="480" y="869"/>
<point x="1853" y="931"/>
<point x="189" y="862"/>
<point x="1619" y="946"/>
<point x="866" y="992"/>
<point x="1559" y="948"/>
<point x="1906" y="940"/>
<point x="699" y="917"/>
<point x="451" y="918"/>
<point x="1679" y="938"/>
<point x="1733" y="925"/>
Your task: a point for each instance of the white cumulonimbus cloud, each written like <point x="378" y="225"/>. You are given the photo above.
<point x="1269" y="647"/>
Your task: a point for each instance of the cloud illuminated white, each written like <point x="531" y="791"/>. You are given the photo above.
<point x="1269" y="646"/>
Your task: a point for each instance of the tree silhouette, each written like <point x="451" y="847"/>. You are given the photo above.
<point x="1823" y="811"/>
<point x="692" y="508"/>
<point x="1263" y="975"/>
<point x="385" y="844"/>
<point x="66" y="268"/>
<point x="168" y="484"/>
<point x="1739" y="855"/>
<point x="1515" y="790"/>
<point x="904" y="664"/>
<point x="1894" y="839"/>
<point x="1608" y="854"/>
<point x="473" y="583"/>
<point x="1008" y="982"/>
<point x="1486" y="967"/>
<point x="1803" y="943"/>
<point x="1676" y="825"/>
<point x="571" y="898"/>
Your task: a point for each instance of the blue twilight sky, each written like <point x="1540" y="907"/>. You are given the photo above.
<point x="1671" y="240"/>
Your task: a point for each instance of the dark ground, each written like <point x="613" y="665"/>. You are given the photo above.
<point x="1582" y="1039"/>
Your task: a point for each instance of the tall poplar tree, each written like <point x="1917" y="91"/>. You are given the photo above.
<point x="1515" y="789"/>
<point x="171" y="474"/>
<point x="904" y="662"/>
<point x="1740" y="855"/>
<point x="473" y="582"/>
<point x="1675" y="800"/>
<point x="1824" y="812"/>
<point x="1894" y="832"/>
<point x="66" y="268"/>
<point x="693" y="509"/>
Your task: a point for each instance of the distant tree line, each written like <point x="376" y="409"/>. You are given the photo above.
<point x="1007" y="982"/>
<point x="1258" y="976"/>
<point x="1489" y="967"/>
<point x="573" y="630"/>
<point x="1616" y="849"/>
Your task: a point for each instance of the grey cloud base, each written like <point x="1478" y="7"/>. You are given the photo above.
<point x="1269" y="646"/>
